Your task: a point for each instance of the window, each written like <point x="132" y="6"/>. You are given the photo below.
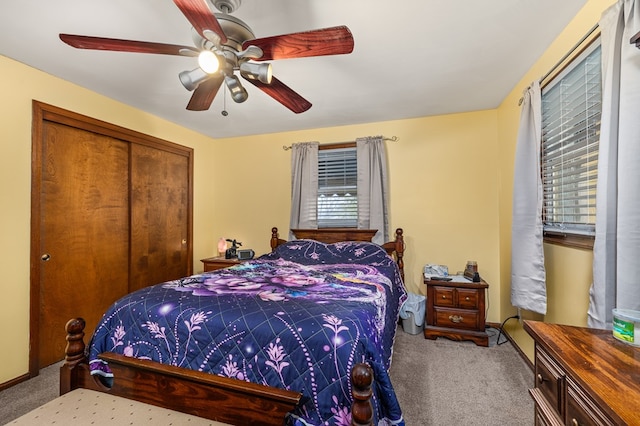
<point x="337" y="188"/>
<point x="571" y="108"/>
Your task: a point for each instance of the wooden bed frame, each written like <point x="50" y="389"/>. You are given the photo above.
<point x="206" y="395"/>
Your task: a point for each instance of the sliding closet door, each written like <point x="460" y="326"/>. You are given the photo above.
<point x="111" y="213"/>
<point x="84" y="228"/>
<point x="159" y="215"/>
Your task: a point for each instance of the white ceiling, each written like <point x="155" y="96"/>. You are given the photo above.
<point x="412" y="58"/>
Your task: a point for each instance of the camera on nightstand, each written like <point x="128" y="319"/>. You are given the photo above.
<point x="246" y="254"/>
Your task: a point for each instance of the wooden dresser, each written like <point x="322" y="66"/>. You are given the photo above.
<point x="584" y="377"/>
<point x="456" y="310"/>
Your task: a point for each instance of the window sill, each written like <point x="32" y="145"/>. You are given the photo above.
<point x="584" y="242"/>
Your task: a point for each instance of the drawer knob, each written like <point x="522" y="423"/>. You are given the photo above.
<point x="444" y="297"/>
<point x="574" y="422"/>
<point x="455" y="318"/>
<point x="467" y="298"/>
<point x="540" y="378"/>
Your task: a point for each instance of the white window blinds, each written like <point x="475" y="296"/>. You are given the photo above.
<point x="337" y="188"/>
<point x="571" y="108"/>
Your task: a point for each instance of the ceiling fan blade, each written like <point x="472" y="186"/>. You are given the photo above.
<point x="102" y="43"/>
<point x="205" y="92"/>
<point x="327" y="41"/>
<point x="201" y="18"/>
<point x="283" y="94"/>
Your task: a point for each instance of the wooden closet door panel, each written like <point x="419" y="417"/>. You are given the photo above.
<point x="84" y="229"/>
<point x="159" y="216"/>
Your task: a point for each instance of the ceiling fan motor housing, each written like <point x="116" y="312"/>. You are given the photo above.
<point x="236" y="30"/>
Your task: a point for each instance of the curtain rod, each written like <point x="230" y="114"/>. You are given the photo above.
<point x="564" y="58"/>
<point x="392" y="139"/>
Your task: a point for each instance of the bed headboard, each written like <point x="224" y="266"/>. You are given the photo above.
<point x="394" y="248"/>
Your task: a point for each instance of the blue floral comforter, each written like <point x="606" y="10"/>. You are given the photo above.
<point x="298" y="318"/>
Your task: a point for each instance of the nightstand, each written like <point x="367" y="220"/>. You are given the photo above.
<point x="456" y="310"/>
<point x="219" y="262"/>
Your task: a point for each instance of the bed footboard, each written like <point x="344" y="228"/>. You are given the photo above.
<point x="193" y="392"/>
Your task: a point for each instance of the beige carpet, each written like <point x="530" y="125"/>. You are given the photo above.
<point x="446" y="383"/>
<point x="25" y="396"/>
<point x="438" y="382"/>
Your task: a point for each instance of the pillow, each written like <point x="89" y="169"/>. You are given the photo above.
<point x="310" y="252"/>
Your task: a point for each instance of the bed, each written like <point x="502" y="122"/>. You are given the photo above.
<point x="295" y="336"/>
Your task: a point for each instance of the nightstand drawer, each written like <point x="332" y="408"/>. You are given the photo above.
<point x="467" y="298"/>
<point x="457" y="318"/>
<point x="443" y="296"/>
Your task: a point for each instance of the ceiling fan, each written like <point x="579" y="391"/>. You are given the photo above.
<point x="223" y="45"/>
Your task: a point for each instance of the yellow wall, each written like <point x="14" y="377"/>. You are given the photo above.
<point x="443" y="189"/>
<point x="569" y="271"/>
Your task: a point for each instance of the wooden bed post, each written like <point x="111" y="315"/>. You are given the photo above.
<point x="399" y="247"/>
<point x="274" y="238"/>
<point x="362" y="409"/>
<point x="74" y="355"/>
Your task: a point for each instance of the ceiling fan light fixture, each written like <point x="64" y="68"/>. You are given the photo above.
<point x="238" y="93"/>
<point x="261" y="72"/>
<point x="208" y="61"/>
<point x="191" y="79"/>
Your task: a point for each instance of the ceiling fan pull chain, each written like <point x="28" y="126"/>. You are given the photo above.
<point x="224" y="102"/>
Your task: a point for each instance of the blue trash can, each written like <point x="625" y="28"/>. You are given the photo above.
<point x="412" y="313"/>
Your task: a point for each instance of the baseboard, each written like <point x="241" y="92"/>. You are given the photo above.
<point x="13" y="382"/>
<point x="514" y="344"/>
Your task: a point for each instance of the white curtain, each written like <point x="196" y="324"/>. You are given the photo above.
<point x="616" y="250"/>
<point x="373" y="192"/>
<point x="304" y="186"/>
<point x="528" y="276"/>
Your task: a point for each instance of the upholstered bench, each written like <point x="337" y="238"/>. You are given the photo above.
<point x="88" y="407"/>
